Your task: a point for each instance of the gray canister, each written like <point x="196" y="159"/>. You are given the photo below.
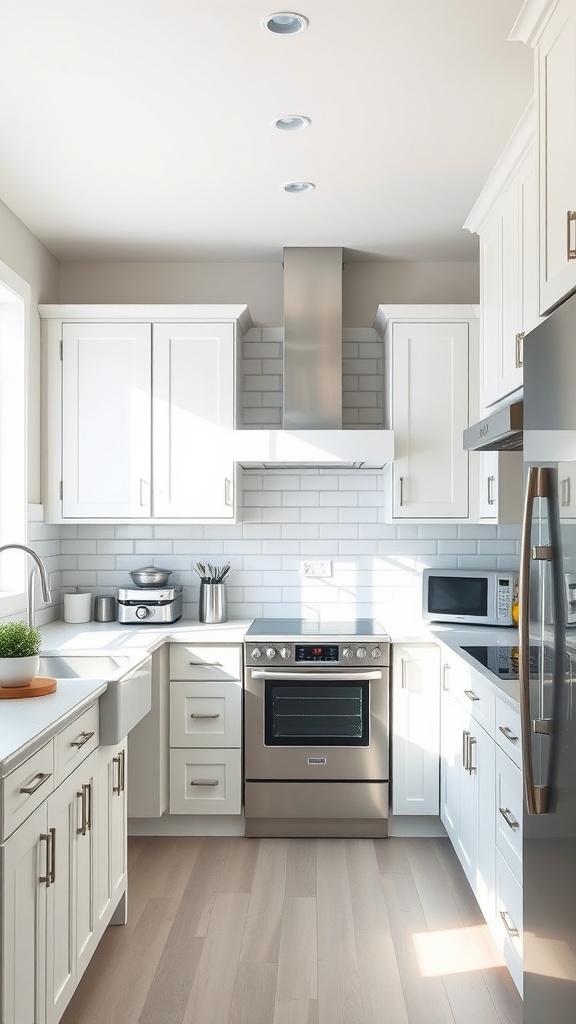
<point x="104" y="608"/>
<point x="212" y="602"/>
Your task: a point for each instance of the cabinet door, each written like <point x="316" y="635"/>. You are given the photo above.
<point x="557" y="143"/>
<point x="491" y="306"/>
<point x="415" y="729"/>
<point x="194" y="407"/>
<point x="450" y="761"/>
<point x="430" y="410"/>
<point x="106" y="416"/>
<point x="567" y="490"/>
<point x="25" y="870"/>
<point x="501" y="487"/>
<point x="111" y="831"/>
<point x="477" y="818"/>
<point x="71" y="911"/>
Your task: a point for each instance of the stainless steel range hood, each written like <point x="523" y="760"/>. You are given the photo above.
<point x="312" y="434"/>
<point x="502" y="431"/>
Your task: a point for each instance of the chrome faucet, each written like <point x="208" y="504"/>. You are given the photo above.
<point x="43" y="578"/>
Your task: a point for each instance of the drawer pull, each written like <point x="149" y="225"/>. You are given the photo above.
<point x="204" y="782"/>
<point x="508" y="733"/>
<point x="509" y="817"/>
<point x="85" y="736"/>
<point x="200" y="714"/>
<point x="41" y="779"/>
<point x="570" y="249"/>
<point x="206" y="664"/>
<point x="471" y="695"/>
<point x="510" y="928"/>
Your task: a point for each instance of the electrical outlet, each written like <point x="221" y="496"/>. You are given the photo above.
<point x="317" y="568"/>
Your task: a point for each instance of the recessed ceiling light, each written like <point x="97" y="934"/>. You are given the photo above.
<point x="285" y="23"/>
<point x="298" y="186"/>
<point x="291" y="122"/>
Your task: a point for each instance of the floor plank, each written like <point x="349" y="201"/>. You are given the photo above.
<point x="262" y="934"/>
<point x="213" y="986"/>
<point x="339" y="995"/>
<point x="253" y="995"/>
<point x="297" y="983"/>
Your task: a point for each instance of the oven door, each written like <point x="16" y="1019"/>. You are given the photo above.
<point x="318" y="725"/>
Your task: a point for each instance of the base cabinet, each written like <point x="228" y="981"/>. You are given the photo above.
<point x="415" y="737"/>
<point x="63" y="875"/>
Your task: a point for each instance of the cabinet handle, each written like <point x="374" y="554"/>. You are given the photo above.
<point x="85" y="737"/>
<point x="200" y="714"/>
<point x="118" y="787"/>
<point x="403" y="675"/>
<point x="510" y="928"/>
<point x="204" y="782"/>
<point x="471" y="743"/>
<point x="445" y="675"/>
<point x="509" y="817"/>
<point x="87" y="787"/>
<point x="566" y="496"/>
<point x="519" y="355"/>
<point x="570" y="250"/>
<point x="206" y="664"/>
<point x="52" y="855"/>
<point x="142" y="486"/>
<point x="84" y="821"/>
<point x="491" y="482"/>
<point x="123" y="766"/>
<point x="401" y="491"/>
<point x="41" y="777"/>
<point x="46" y="837"/>
<point x="471" y="695"/>
<point x="507" y="732"/>
<point x="228" y="491"/>
<point x="465" y="750"/>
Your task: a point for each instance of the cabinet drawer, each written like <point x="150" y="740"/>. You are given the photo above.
<point x="509" y="810"/>
<point x="507" y="732"/>
<point x="75" y="742"/>
<point x="470" y="689"/>
<point x="205" y="661"/>
<point x="509" y="918"/>
<point x="205" y="782"/>
<point x="24" y="789"/>
<point x="205" y="714"/>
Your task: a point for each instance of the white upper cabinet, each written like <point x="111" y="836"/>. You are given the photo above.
<point x="429" y="351"/>
<point x="139" y="405"/>
<point x="505" y="218"/>
<point x="550" y="27"/>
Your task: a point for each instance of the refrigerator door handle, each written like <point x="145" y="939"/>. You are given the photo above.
<point x="537" y="486"/>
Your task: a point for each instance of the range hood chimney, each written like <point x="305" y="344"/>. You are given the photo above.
<point x="312" y="434"/>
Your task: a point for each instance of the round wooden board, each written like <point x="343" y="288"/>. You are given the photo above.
<point x="37" y="688"/>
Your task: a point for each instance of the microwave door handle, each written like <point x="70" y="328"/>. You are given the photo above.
<point x="537" y="486"/>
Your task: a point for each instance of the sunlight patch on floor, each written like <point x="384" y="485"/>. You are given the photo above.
<point x="455" y="951"/>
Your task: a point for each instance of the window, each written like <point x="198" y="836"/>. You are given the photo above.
<point x="15" y="297"/>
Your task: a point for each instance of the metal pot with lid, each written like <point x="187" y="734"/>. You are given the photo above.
<point x="150" y="576"/>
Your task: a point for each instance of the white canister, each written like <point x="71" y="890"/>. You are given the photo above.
<point x="77" y="606"/>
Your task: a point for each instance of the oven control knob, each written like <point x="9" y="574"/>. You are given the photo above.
<point x="360" y="652"/>
<point x="376" y="652"/>
<point x="270" y="653"/>
<point x="142" y="612"/>
<point x="256" y="653"/>
<point x="348" y="653"/>
<point x="284" y="652"/>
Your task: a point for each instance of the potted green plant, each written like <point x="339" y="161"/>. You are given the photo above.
<point x="19" y="653"/>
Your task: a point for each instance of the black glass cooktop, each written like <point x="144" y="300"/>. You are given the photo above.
<point x="503" y="661"/>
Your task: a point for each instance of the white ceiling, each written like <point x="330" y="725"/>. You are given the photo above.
<point x="141" y="129"/>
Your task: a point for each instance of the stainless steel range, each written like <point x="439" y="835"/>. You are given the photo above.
<point x="316" y="728"/>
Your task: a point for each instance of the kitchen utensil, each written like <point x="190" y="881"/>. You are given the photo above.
<point x="104" y="608"/>
<point x="150" y="576"/>
<point x="212" y="602"/>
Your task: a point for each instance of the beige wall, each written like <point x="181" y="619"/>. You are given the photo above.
<point x="366" y="285"/>
<point x="26" y="256"/>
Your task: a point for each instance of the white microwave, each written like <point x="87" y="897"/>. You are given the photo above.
<point x="471" y="596"/>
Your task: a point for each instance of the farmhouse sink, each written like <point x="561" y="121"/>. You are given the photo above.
<point x="128" y="695"/>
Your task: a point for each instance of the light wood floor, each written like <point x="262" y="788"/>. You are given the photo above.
<point x="296" y="931"/>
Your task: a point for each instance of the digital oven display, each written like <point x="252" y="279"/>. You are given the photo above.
<point x="316" y="652"/>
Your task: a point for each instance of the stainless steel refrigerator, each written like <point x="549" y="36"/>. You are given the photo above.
<point x="548" y="688"/>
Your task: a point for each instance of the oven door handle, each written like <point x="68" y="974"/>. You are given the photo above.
<point x="337" y="676"/>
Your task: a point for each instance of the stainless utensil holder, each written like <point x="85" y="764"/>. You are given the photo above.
<point x="212" y="602"/>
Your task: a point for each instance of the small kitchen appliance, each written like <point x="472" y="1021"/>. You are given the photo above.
<point x="475" y="596"/>
<point x="149" y="605"/>
<point x="316" y="728"/>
